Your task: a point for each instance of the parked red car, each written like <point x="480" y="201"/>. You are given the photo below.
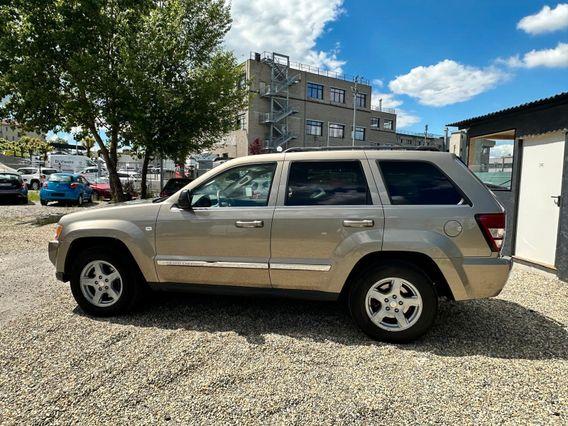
<point x="101" y="188"/>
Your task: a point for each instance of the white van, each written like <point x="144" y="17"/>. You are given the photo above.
<point x="69" y="162"/>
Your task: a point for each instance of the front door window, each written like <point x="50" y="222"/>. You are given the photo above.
<point x="245" y="186"/>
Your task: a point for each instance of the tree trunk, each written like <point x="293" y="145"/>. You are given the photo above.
<point x="111" y="163"/>
<point x="144" y="183"/>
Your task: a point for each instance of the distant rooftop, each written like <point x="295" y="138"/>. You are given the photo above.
<point x="560" y="98"/>
<point x="315" y="70"/>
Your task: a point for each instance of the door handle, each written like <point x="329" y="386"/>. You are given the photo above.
<point x="557" y="199"/>
<point x="358" y="223"/>
<point x="249" y="223"/>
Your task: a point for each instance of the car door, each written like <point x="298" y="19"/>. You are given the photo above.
<point x="327" y="217"/>
<point x="224" y="239"/>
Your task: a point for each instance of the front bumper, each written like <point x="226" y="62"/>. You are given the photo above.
<point x="52" y="248"/>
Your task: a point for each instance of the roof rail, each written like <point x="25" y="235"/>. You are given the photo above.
<point x="358" y="148"/>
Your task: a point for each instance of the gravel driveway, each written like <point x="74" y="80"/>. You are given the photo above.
<point x="198" y="359"/>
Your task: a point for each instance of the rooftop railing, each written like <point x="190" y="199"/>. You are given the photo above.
<point x="383" y="109"/>
<point x="315" y="70"/>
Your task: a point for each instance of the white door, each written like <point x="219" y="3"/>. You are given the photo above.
<point x="538" y="211"/>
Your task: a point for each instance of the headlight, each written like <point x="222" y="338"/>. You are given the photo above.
<point x="58" y="230"/>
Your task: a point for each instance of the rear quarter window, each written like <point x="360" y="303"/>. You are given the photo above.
<point x="418" y="183"/>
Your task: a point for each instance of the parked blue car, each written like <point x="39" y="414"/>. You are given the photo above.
<point x="66" y="187"/>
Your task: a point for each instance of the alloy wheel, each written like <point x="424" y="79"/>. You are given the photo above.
<point x="101" y="283"/>
<point x="393" y="304"/>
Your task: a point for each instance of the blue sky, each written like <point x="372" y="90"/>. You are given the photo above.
<point x="438" y="61"/>
<point x="386" y="39"/>
<point x="434" y="61"/>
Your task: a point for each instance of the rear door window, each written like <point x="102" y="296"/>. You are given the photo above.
<point x="314" y="183"/>
<point x="418" y="183"/>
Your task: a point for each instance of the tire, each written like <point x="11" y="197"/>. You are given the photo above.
<point x="80" y="200"/>
<point x="43" y="202"/>
<point x="396" y="287"/>
<point x="35" y="185"/>
<point x="127" y="287"/>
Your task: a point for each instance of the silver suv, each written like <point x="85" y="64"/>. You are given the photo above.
<point x="388" y="232"/>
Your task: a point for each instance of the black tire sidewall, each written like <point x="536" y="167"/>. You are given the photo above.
<point x="359" y="291"/>
<point x="131" y="286"/>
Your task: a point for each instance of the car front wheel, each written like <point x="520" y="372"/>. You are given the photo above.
<point x="393" y="303"/>
<point x="103" y="283"/>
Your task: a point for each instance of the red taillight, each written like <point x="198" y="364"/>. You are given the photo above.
<point x="74" y="185"/>
<point x="493" y="227"/>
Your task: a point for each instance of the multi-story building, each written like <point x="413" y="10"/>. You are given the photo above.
<point x="12" y="133"/>
<point x="295" y="105"/>
<point x="419" y="140"/>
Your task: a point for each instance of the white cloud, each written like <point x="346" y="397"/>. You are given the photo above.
<point x="378" y="82"/>
<point x="403" y="118"/>
<point x="551" y="58"/>
<point x="446" y="82"/>
<point x="547" y="20"/>
<point x="388" y="100"/>
<point x="498" y="151"/>
<point x="290" y="27"/>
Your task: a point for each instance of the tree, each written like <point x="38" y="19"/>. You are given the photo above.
<point x="88" y="142"/>
<point x="186" y="89"/>
<point x="62" y="64"/>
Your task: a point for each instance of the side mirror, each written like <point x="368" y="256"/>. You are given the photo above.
<point x="184" y="200"/>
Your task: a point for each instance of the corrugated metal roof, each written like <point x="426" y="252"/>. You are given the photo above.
<point x="552" y="99"/>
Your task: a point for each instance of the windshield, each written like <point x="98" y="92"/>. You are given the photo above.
<point x="6" y="177"/>
<point x="56" y="177"/>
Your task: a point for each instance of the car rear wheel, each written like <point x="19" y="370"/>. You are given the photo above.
<point x="393" y="303"/>
<point x="103" y="283"/>
<point x="43" y="202"/>
<point x="35" y="185"/>
<point x="80" y="200"/>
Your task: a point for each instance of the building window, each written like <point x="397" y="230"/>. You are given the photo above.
<point x="491" y="159"/>
<point x="314" y="127"/>
<point x="336" y="130"/>
<point x="388" y="124"/>
<point x="361" y="100"/>
<point x="418" y="183"/>
<point x="337" y="95"/>
<point x="359" y="133"/>
<point x="375" y="122"/>
<point x="316" y="183"/>
<point x="315" y="91"/>
<point x="241" y="121"/>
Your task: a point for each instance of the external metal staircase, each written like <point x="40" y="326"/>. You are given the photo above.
<point x="278" y="94"/>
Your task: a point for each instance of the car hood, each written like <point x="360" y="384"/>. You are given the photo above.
<point x="130" y="211"/>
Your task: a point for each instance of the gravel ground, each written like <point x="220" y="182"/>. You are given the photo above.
<point x="198" y="359"/>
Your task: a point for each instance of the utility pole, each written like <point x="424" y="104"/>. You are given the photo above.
<point x="425" y="135"/>
<point x="381" y="104"/>
<point x="446" y="149"/>
<point x="355" y="92"/>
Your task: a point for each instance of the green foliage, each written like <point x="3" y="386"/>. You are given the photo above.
<point x="147" y="73"/>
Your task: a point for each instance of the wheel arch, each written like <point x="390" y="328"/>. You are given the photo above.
<point x="415" y="260"/>
<point x="80" y="244"/>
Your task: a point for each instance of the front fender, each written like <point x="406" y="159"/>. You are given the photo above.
<point x="138" y="238"/>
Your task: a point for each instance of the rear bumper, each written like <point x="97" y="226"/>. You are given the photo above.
<point x="53" y="195"/>
<point x="14" y="193"/>
<point x="476" y="277"/>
